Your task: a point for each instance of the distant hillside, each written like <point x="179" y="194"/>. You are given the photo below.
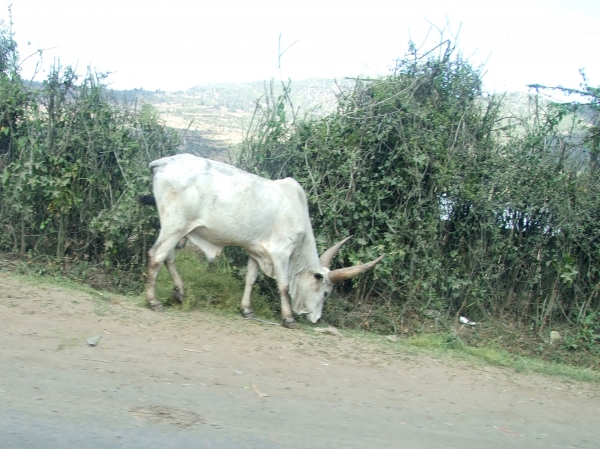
<point x="309" y="95"/>
<point x="215" y="116"/>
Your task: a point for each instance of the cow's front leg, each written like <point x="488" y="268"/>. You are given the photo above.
<point x="286" y="310"/>
<point x="251" y="275"/>
<point x="281" y="274"/>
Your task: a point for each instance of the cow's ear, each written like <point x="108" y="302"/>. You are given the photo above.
<point x="318" y="277"/>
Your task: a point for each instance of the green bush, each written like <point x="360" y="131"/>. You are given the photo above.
<point x="73" y="161"/>
<point x="478" y="213"/>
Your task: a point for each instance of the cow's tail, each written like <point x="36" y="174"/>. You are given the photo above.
<point x="147" y="200"/>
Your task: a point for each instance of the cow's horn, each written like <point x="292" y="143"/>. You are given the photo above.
<point x="326" y="257"/>
<point x="342" y="274"/>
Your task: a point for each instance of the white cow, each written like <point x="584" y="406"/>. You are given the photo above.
<point x="215" y="205"/>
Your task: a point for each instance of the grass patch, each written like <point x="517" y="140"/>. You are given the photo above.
<point x="31" y="277"/>
<point x="486" y="339"/>
<point x="453" y="345"/>
<point x="74" y="272"/>
<point x="209" y="287"/>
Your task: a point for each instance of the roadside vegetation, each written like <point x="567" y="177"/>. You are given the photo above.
<point x="482" y="214"/>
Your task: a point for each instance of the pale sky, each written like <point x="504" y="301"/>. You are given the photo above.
<point x="176" y="44"/>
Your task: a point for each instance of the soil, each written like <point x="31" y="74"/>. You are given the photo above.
<point x="179" y="380"/>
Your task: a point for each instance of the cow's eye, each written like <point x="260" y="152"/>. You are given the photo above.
<point x="318" y="276"/>
<point x="325" y="294"/>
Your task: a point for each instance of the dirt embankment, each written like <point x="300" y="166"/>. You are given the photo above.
<point x="199" y="380"/>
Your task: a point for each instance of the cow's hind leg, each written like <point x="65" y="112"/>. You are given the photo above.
<point x="178" y="291"/>
<point x="158" y="254"/>
<point x="251" y="276"/>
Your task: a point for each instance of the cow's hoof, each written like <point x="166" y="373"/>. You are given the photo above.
<point x="177" y="295"/>
<point x="158" y="307"/>
<point x="290" y="323"/>
<point x="249" y="314"/>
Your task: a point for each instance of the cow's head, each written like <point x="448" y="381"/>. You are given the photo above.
<point x="314" y="286"/>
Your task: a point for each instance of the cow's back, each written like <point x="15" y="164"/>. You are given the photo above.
<point x="223" y="204"/>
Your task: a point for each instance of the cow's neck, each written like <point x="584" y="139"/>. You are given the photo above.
<point x="304" y="260"/>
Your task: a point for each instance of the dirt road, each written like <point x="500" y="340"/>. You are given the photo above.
<point x="195" y="380"/>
